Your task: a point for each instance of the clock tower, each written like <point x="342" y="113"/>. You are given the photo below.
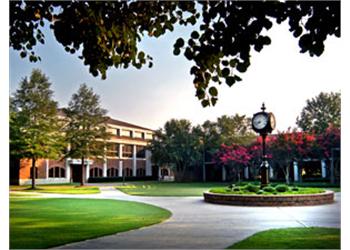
<point x="263" y="123"/>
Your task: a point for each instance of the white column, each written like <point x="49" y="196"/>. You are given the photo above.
<point x="148" y="163"/>
<point x="104" y="171"/>
<point x="47" y="168"/>
<point x="323" y="169"/>
<point x="246" y="172"/>
<point x="134" y="160"/>
<point x="68" y="169"/>
<point x="87" y="169"/>
<point x="296" y="171"/>
<point x="120" y="151"/>
<point x="270" y="172"/>
<point x="159" y="174"/>
<point x="120" y="169"/>
<point x="223" y="173"/>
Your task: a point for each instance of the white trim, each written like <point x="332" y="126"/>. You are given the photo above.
<point x="43" y="181"/>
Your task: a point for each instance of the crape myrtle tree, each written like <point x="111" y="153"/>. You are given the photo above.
<point x="290" y="146"/>
<point x="177" y="146"/>
<point x="234" y="158"/>
<point x="108" y="33"/>
<point x="320" y="112"/>
<point x="328" y="146"/>
<point x="36" y="131"/>
<point x="86" y="129"/>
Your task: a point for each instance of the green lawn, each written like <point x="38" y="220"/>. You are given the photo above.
<point x="58" y="189"/>
<point x="292" y="238"/>
<point x="168" y="188"/>
<point x="44" y="223"/>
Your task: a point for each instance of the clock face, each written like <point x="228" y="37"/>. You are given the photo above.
<point x="272" y="121"/>
<point x="260" y="121"/>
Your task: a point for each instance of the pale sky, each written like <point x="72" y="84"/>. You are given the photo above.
<point x="279" y="76"/>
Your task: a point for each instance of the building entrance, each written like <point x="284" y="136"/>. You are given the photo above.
<point x="76" y="172"/>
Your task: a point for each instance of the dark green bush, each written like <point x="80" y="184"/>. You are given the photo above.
<point x="295" y="189"/>
<point x="252" y="188"/>
<point x="269" y="189"/>
<point x="281" y="188"/>
<point x="236" y="189"/>
<point x="260" y="192"/>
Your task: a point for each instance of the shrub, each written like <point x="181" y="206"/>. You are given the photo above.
<point x="295" y="189"/>
<point x="252" y="188"/>
<point x="236" y="189"/>
<point x="281" y="188"/>
<point x="269" y="189"/>
<point x="260" y="192"/>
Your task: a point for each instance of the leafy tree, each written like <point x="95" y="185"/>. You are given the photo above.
<point x="108" y="32"/>
<point x="35" y="129"/>
<point x="177" y="146"/>
<point x="320" y="112"/>
<point x="86" y="126"/>
<point x="234" y="158"/>
<point x="328" y="140"/>
<point x="235" y="130"/>
<point x="291" y="146"/>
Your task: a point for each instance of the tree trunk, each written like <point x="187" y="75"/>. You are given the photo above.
<point x="33" y="172"/>
<point x="82" y="172"/>
<point x="286" y="174"/>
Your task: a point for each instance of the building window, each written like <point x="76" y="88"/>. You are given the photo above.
<point x="95" y="172"/>
<point x="112" y="172"/>
<point x="57" y="172"/>
<point x="140" y="152"/>
<point x="127" y="151"/>
<point x="117" y="131"/>
<point x="131" y="134"/>
<point x="127" y="172"/>
<point x="36" y="173"/>
<point x="140" y="172"/>
<point x="113" y="149"/>
<point x="143" y="135"/>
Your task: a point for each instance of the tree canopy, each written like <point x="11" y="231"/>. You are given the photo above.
<point x="178" y="146"/>
<point x="35" y="130"/>
<point x="86" y="126"/>
<point x="109" y="32"/>
<point x="320" y="112"/>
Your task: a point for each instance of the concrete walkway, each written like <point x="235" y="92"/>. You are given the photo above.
<point x="199" y="225"/>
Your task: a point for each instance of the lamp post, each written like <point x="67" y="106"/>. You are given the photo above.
<point x="263" y="123"/>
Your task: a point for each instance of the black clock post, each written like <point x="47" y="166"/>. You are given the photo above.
<point x="263" y="123"/>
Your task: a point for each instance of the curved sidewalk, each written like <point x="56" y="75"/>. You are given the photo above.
<point x="199" y="225"/>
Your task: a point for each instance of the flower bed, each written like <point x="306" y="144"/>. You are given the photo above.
<point x="326" y="197"/>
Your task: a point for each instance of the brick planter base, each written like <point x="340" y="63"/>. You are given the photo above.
<point x="270" y="200"/>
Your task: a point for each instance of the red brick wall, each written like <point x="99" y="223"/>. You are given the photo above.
<point x="26" y="164"/>
<point x="270" y="200"/>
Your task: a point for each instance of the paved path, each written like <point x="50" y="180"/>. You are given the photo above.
<point x="199" y="225"/>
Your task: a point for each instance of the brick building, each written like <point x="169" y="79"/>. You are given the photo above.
<point x="126" y="155"/>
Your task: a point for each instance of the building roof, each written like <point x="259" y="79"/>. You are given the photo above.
<point x="126" y="124"/>
<point x="113" y="121"/>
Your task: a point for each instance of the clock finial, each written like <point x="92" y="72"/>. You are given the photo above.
<point x="263" y="107"/>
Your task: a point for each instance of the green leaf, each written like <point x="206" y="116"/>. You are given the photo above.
<point x="213" y="91"/>
<point x="225" y="72"/>
<point x="179" y="43"/>
<point x="195" y="35"/>
<point x="230" y="80"/>
<point x="176" y="51"/>
<point x="205" y="103"/>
